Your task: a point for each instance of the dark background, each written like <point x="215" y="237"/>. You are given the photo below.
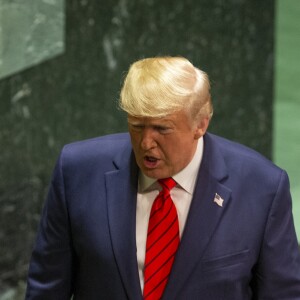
<point x="74" y="96"/>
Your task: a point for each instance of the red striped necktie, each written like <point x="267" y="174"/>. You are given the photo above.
<point x="162" y="242"/>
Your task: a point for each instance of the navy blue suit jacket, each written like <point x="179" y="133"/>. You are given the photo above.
<point x="246" y="249"/>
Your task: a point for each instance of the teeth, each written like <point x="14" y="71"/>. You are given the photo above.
<point x="151" y="159"/>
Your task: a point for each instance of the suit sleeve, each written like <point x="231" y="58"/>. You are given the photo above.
<point x="278" y="271"/>
<point x="50" y="270"/>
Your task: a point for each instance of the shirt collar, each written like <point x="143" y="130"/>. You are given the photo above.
<point x="186" y="178"/>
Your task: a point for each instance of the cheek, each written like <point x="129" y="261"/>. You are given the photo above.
<point x="171" y="152"/>
<point x="181" y="152"/>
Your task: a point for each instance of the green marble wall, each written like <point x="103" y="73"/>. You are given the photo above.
<point x="286" y="134"/>
<point x="73" y="95"/>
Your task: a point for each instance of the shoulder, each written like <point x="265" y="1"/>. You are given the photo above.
<point x="99" y="149"/>
<point x="231" y="149"/>
<point x="242" y="159"/>
<point x="100" y="144"/>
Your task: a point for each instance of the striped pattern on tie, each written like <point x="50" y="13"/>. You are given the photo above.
<point x="162" y="242"/>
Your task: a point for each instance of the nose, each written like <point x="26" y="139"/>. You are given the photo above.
<point x="148" y="139"/>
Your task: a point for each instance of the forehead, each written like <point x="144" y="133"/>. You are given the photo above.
<point x="149" y="120"/>
<point x="174" y="118"/>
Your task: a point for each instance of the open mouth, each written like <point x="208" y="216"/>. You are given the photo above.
<point x="151" y="159"/>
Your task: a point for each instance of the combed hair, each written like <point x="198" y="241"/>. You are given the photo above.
<point x="158" y="86"/>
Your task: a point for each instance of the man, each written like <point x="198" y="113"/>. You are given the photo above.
<point x="229" y="208"/>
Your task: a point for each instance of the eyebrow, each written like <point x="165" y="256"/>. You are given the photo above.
<point x="162" y="123"/>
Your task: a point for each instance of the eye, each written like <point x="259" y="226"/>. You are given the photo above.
<point x="137" y="127"/>
<point x="162" y="129"/>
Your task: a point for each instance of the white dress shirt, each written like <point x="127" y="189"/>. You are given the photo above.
<point x="181" y="195"/>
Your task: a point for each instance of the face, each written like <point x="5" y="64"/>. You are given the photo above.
<point x="164" y="146"/>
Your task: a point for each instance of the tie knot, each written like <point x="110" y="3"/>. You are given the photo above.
<point x="167" y="183"/>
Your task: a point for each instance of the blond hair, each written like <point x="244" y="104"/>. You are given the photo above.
<point x="156" y="87"/>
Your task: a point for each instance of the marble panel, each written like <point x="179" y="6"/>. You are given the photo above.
<point x="30" y="32"/>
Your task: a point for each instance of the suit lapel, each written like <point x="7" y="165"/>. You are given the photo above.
<point x="121" y="203"/>
<point x="203" y="218"/>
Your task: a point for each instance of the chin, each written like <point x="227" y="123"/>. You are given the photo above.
<point x="152" y="175"/>
<point x="155" y="174"/>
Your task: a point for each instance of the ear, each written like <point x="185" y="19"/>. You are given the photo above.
<point x="201" y="127"/>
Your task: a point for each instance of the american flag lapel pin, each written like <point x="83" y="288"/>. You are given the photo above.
<point x="218" y="200"/>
